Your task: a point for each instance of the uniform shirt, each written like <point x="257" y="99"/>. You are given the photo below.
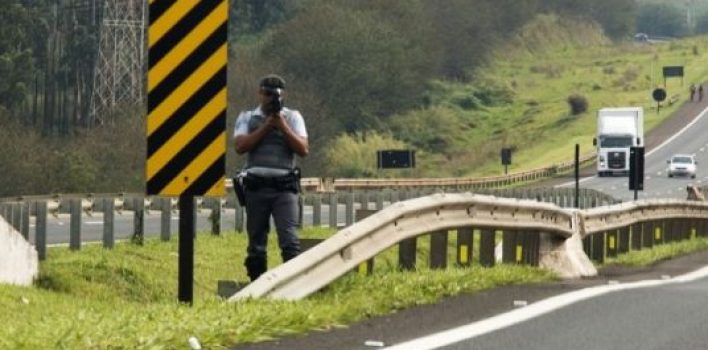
<point x="271" y="157"/>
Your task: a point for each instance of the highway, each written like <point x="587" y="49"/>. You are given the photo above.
<point x="646" y="315"/>
<point x="692" y="140"/>
<point x="92" y="226"/>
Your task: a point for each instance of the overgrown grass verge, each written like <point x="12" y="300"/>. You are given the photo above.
<point x="125" y="298"/>
<point x="660" y="252"/>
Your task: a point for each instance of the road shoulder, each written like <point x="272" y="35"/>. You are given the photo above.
<point x="463" y="309"/>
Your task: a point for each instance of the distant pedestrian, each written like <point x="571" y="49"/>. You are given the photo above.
<point x="700" y="92"/>
<point x="693" y="91"/>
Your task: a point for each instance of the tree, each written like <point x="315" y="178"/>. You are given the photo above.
<point x="16" y="68"/>
<point x="361" y="66"/>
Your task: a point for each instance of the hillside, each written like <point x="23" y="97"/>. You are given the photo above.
<point x="519" y="99"/>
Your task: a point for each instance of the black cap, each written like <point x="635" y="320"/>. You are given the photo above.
<point x="272" y="81"/>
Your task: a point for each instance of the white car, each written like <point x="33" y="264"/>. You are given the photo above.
<point x="682" y="165"/>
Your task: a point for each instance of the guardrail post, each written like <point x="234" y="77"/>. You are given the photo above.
<point x="407" y="253"/>
<point x="659" y="231"/>
<point x="108" y="223"/>
<point x="647" y="234"/>
<point x="138" y="221"/>
<point x="465" y="245"/>
<point x="671" y="230"/>
<point x="364" y="200"/>
<point x="379" y="200"/>
<point x="598" y="247"/>
<point x="486" y="247"/>
<point x="438" y="249"/>
<point x="240" y="218"/>
<point x="511" y="251"/>
<point x="587" y="245"/>
<point x="25" y="220"/>
<point x="333" y="209"/>
<point x="636" y="234"/>
<point x="75" y="224"/>
<point x="623" y="240"/>
<point x="349" y="208"/>
<point x="40" y="234"/>
<point x="686" y="228"/>
<point x="317" y="210"/>
<point x="300" y="211"/>
<point x="612" y="243"/>
<point x="215" y="217"/>
<point x="532" y="245"/>
<point x="166" y="219"/>
<point x="17" y="217"/>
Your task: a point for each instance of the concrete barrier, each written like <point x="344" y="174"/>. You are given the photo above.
<point x="19" y="263"/>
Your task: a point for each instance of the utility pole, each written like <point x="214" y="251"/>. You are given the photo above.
<point x="119" y="74"/>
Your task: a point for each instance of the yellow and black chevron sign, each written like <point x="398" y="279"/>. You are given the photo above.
<point x="186" y="121"/>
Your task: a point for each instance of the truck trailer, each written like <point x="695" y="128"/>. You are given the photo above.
<point x="618" y="129"/>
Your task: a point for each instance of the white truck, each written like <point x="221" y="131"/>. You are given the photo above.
<point x="618" y="129"/>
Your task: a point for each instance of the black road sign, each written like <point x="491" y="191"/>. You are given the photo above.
<point x="673" y="71"/>
<point x="395" y="159"/>
<point x="636" y="169"/>
<point x="659" y="95"/>
<point x="506" y="156"/>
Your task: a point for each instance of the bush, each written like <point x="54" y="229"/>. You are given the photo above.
<point x="578" y="104"/>
<point x="354" y="155"/>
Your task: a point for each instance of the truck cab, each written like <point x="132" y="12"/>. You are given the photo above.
<point x="618" y="129"/>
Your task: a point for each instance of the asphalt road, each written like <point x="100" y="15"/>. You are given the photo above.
<point x="92" y="226"/>
<point x="672" y="316"/>
<point x="693" y="140"/>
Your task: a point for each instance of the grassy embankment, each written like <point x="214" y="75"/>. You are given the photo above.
<point x="126" y="298"/>
<point x="545" y="64"/>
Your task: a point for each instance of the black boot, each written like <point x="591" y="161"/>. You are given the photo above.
<point x="255" y="266"/>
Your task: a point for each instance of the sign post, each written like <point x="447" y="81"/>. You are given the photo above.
<point x="636" y="170"/>
<point x="395" y="159"/>
<point x="659" y="95"/>
<point x="506" y="159"/>
<point x="186" y="122"/>
<point x="673" y="71"/>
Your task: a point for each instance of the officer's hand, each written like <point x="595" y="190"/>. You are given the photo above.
<point x="276" y="121"/>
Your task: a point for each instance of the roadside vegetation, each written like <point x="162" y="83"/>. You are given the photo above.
<point x="658" y="253"/>
<point x="125" y="298"/>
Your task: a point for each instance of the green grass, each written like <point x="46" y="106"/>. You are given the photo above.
<point x="540" y="70"/>
<point x="125" y="298"/>
<point x="660" y="252"/>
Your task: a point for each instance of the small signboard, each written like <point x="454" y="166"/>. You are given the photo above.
<point x="673" y="71"/>
<point x="395" y="159"/>
<point x="506" y="156"/>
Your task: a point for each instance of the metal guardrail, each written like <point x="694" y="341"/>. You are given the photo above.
<point x="350" y="247"/>
<point x="313" y="184"/>
<point x="605" y="232"/>
<point x="333" y="209"/>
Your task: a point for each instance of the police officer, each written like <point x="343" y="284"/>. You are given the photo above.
<point x="271" y="135"/>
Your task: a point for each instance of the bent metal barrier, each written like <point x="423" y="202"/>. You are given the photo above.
<point x="351" y="246"/>
<point x="603" y="231"/>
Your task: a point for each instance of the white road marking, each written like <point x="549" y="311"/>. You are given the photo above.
<point x="658" y="173"/>
<point x="703" y="149"/>
<point x="94" y="222"/>
<point x="516" y="316"/>
<point x="648" y="177"/>
<point x="700" y="116"/>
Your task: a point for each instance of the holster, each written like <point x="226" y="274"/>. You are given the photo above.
<point x="240" y="189"/>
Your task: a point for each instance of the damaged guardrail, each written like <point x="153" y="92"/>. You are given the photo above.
<point x="532" y="233"/>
